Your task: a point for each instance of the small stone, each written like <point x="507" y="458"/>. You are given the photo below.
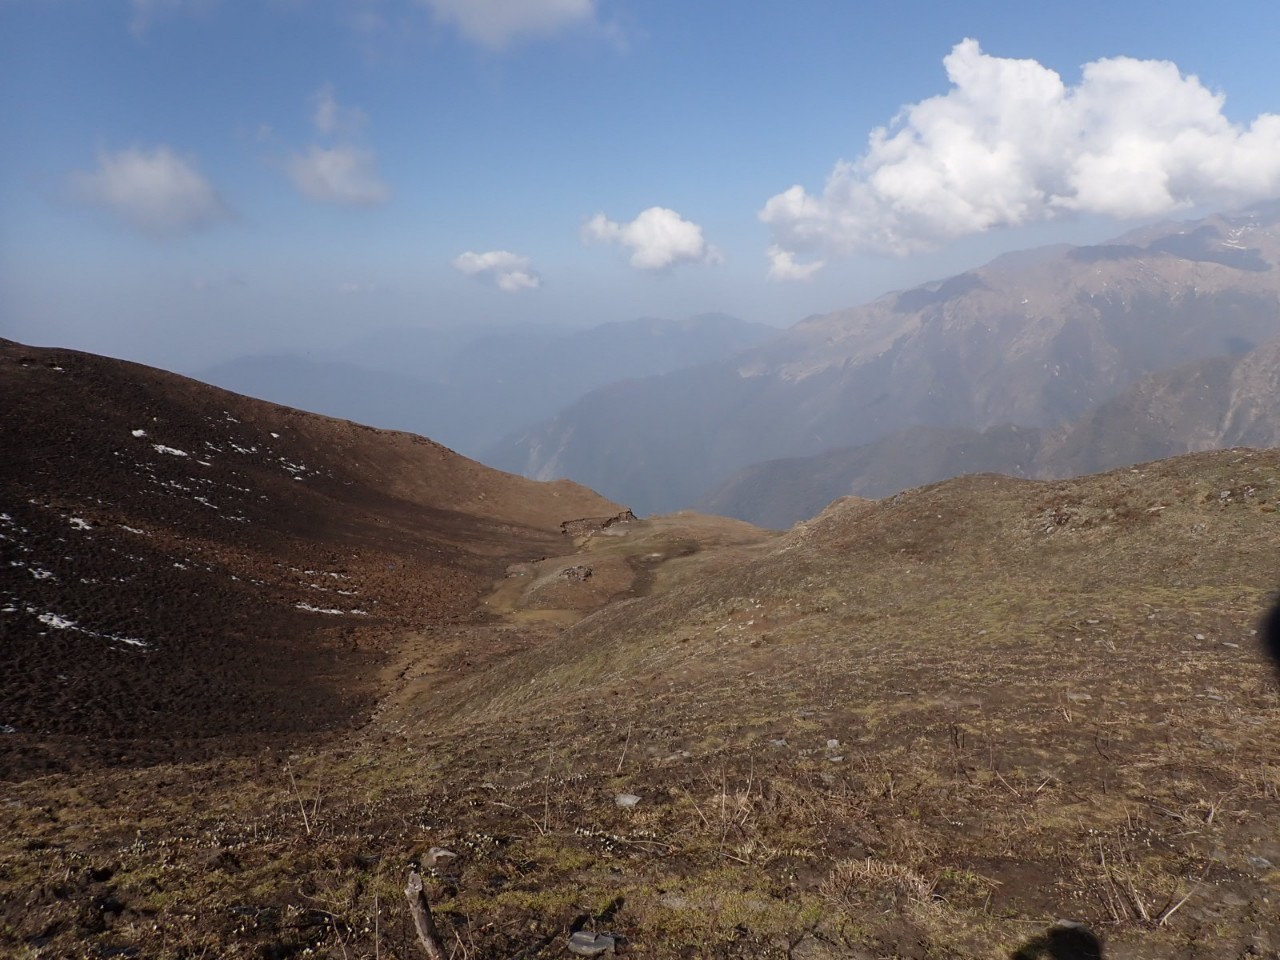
<point x="1199" y="636"/>
<point x="586" y="944"/>
<point x="833" y="744"/>
<point x="436" y="856"/>
<point x="1260" y="863"/>
<point x="626" y="800"/>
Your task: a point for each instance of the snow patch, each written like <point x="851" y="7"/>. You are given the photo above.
<point x="57" y="622"/>
<point x="139" y="433"/>
<point x="78" y="523"/>
<point x="310" y="609"/>
<point x="172" y="451"/>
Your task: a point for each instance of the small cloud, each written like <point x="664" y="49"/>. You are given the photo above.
<point x="783" y="266"/>
<point x="147" y="12"/>
<point x="351" y="288"/>
<point x="658" y="239"/>
<point x="155" y="191"/>
<point x="342" y="174"/>
<point x="331" y="118"/>
<point x="507" y="271"/>
<point x="1010" y="143"/>
<point x="498" y="23"/>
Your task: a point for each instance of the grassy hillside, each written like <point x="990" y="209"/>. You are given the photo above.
<point x="921" y="727"/>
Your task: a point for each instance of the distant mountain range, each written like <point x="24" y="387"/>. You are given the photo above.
<point x="933" y="377"/>
<point x="468" y="388"/>
<point x="1205" y="405"/>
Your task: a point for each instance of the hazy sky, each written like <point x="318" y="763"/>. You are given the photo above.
<point x="186" y="180"/>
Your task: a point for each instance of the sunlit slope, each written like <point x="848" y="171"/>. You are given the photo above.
<point x="973" y="684"/>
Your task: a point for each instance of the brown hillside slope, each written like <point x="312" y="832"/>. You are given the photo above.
<point x="919" y="723"/>
<point x="180" y="564"/>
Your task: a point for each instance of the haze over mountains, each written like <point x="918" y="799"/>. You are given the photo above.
<point x="1035" y="339"/>
<point x="468" y="387"/>
<point x="1205" y="405"/>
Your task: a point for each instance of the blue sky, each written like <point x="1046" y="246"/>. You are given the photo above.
<point x="188" y="180"/>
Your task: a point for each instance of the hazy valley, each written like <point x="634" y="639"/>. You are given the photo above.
<point x="468" y="388"/>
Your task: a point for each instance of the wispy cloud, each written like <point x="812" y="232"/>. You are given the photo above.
<point x="332" y="118"/>
<point x="145" y="13"/>
<point x="509" y="272"/>
<point x="343" y="175"/>
<point x="155" y="191"/>
<point x="344" y="172"/>
<point x="658" y="238"/>
<point x="1010" y="143"/>
<point x="499" y="23"/>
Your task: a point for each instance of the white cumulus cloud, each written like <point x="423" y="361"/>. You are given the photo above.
<point x="783" y="265"/>
<point x="658" y="238"/>
<point x="497" y="23"/>
<point x="507" y="271"/>
<point x="1010" y="143"/>
<point x="342" y="174"/>
<point x="156" y="191"/>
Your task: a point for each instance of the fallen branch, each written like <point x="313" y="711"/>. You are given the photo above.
<point x="422" y="919"/>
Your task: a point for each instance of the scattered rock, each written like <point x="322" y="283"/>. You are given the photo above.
<point x="586" y="944"/>
<point x="626" y="800"/>
<point x="579" y="572"/>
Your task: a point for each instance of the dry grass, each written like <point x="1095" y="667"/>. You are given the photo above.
<point x="921" y="727"/>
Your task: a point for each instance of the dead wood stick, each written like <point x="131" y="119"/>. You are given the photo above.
<point x="422" y="919"/>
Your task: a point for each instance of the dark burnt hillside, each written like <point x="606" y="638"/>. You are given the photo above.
<point x="180" y="564"/>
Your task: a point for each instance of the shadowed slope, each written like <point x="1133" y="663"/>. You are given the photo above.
<point x="182" y="563"/>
